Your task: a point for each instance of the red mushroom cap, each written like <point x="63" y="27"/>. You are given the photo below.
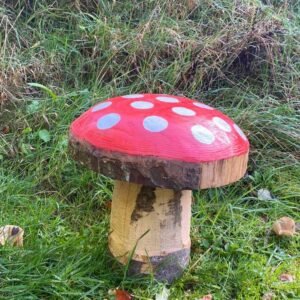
<point x="160" y="126"/>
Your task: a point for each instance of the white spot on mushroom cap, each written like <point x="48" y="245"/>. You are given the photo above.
<point x="155" y="123"/>
<point x="101" y="106"/>
<point x="182" y="111"/>
<point x="222" y="124"/>
<point x="108" y="121"/>
<point x="240" y="132"/>
<point x="202" y="134"/>
<point x="167" y="99"/>
<point x="202" y="105"/>
<point x="141" y="104"/>
<point x="133" y="96"/>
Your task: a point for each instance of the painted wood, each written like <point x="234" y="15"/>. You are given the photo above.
<point x="165" y="126"/>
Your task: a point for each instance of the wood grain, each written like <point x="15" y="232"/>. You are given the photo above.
<point x="148" y="224"/>
<point x="158" y="172"/>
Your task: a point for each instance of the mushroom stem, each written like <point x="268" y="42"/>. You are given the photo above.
<point x="151" y="228"/>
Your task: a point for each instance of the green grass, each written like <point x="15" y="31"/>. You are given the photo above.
<point x="239" y="56"/>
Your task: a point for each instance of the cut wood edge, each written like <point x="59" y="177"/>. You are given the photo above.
<point x="222" y="172"/>
<point x="159" y="172"/>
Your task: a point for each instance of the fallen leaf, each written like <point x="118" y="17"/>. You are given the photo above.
<point x="33" y="106"/>
<point x="264" y="218"/>
<point x="108" y="204"/>
<point x="285" y="226"/>
<point x="5" y="129"/>
<point x="11" y="234"/>
<point x="44" y="135"/>
<point x="3" y="97"/>
<point x="285" y="277"/>
<point x="268" y="296"/>
<point x="207" y="297"/>
<point x="122" y="295"/>
<point x="192" y="4"/>
<point x="163" y="295"/>
<point x="264" y="194"/>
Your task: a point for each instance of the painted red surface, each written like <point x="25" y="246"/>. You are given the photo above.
<point x="146" y="125"/>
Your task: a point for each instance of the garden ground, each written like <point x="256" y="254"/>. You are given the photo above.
<point x="58" y="58"/>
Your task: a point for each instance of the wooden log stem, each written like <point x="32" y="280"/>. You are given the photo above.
<point x="152" y="227"/>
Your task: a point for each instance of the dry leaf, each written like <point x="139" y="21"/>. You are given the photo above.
<point x="285" y="277"/>
<point x="264" y="194"/>
<point x="192" y="4"/>
<point x="122" y="295"/>
<point x="163" y="295"/>
<point x="268" y="296"/>
<point x="5" y="129"/>
<point x="285" y="226"/>
<point x="3" y="97"/>
<point x="264" y="218"/>
<point x="11" y="234"/>
<point x="108" y="204"/>
<point x="207" y="297"/>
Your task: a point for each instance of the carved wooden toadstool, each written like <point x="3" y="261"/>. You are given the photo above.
<point x="157" y="148"/>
